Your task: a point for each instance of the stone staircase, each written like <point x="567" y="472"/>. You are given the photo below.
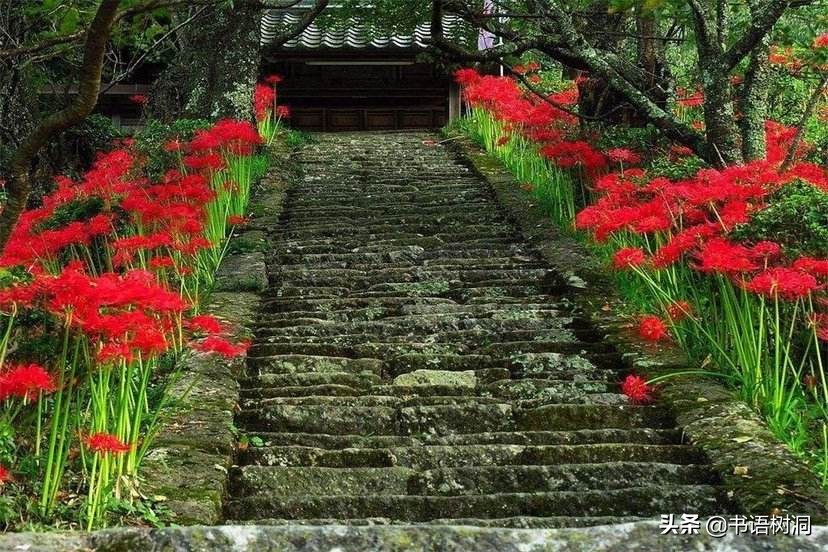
<point x="415" y="362"/>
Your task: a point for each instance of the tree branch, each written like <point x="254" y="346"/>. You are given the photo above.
<point x="89" y="84"/>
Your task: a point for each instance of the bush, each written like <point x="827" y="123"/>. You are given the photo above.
<point x="796" y="217"/>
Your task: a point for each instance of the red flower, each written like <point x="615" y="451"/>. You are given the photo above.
<point x="139" y="99"/>
<point x="283" y="112"/>
<point x="25" y="381"/>
<point x="628" y="257"/>
<point x="624" y="155"/>
<point x="821" y="41"/>
<point x="273" y="79"/>
<point x="720" y="255"/>
<point x="222" y="347"/>
<point x="816" y="267"/>
<point x="503" y="140"/>
<point x="679" y="311"/>
<point x="766" y="250"/>
<point x="205" y="323"/>
<point x="637" y="390"/>
<point x="236" y="220"/>
<point x="466" y="77"/>
<point x="652" y="328"/>
<point x="106" y="443"/>
<point x="264" y="97"/>
<point x="5" y="475"/>
<point x="787" y="283"/>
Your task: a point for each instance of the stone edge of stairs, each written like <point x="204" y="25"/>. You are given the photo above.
<point x="186" y="468"/>
<point x="296" y="538"/>
<point x="770" y="479"/>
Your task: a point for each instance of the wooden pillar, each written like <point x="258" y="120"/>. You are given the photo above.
<point x="455" y="105"/>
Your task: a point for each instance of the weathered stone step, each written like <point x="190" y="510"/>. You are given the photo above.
<point x="382" y="221"/>
<point x="425" y="457"/>
<point x="422" y="323"/>
<point x="447" y="232"/>
<point x="361" y="349"/>
<point x="447" y="419"/>
<point x="516" y="522"/>
<point x="354" y="215"/>
<point x="478" y="480"/>
<point x="637" y="501"/>
<point x="363" y="379"/>
<point x="296" y="364"/>
<point x="369" y="400"/>
<point x="647" y="436"/>
<point x="463" y="418"/>
<point x="458" y="314"/>
<point x="290" y="306"/>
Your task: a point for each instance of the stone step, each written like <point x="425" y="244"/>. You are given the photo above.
<point x="451" y="418"/>
<point x="478" y="480"/>
<point x="298" y="364"/>
<point x="580" y="437"/>
<point x="636" y="501"/>
<point x="427" y="324"/>
<point x="516" y="522"/>
<point x="425" y="457"/>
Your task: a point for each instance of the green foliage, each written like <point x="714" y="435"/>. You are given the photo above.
<point x="678" y="169"/>
<point x="796" y="217"/>
<point x="297" y="139"/>
<point x="77" y="210"/>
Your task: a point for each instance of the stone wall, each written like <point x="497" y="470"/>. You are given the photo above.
<point x="186" y="468"/>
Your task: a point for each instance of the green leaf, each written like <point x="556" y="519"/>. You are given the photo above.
<point x="69" y="23"/>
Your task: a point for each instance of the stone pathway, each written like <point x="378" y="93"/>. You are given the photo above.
<point x="415" y="362"/>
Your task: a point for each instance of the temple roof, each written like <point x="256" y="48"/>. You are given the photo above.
<point x="356" y="33"/>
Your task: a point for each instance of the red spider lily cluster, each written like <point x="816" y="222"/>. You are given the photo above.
<point x="754" y="309"/>
<point x="268" y="114"/>
<point x="116" y="261"/>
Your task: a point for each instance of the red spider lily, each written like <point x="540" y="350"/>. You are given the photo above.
<point x="105" y="443"/>
<point x="637" y="390"/>
<point x="273" y="79"/>
<point x="629" y="257"/>
<point x="816" y="267"/>
<point x="787" y="283"/>
<point x="652" y="328"/>
<point x="466" y="77"/>
<point x="766" y="250"/>
<point x="5" y="475"/>
<point x="679" y="310"/>
<point x="722" y="256"/>
<point x="220" y="346"/>
<point x="210" y="162"/>
<point x="680" y="151"/>
<point x="25" y="381"/>
<point x="264" y="98"/>
<point x="139" y="99"/>
<point x="205" y="324"/>
<point x="624" y="155"/>
<point x="236" y="220"/>
<point x="821" y="41"/>
<point x="283" y="112"/>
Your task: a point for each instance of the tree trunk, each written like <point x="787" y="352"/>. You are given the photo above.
<point x="753" y="104"/>
<point x="89" y="84"/>
<point x="720" y="126"/>
<point x="214" y="74"/>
